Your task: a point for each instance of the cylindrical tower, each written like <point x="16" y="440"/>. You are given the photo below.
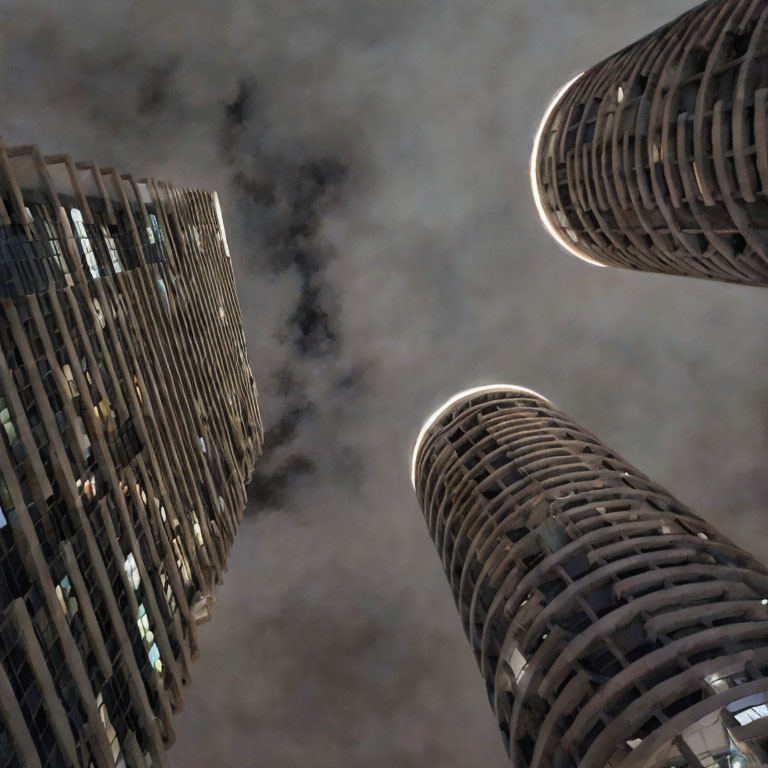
<point x="614" y="627"/>
<point x="657" y="158"/>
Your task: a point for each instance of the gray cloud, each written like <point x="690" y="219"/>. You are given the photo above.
<point x="156" y="85"/>
<point x="371" y="159"/>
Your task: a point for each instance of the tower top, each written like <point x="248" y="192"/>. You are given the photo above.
<point x="455" y="400"/>
<point x="535" y="188"/>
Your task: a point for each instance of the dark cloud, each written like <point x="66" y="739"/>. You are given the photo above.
<point x="155" y="86"/>
<point x="310" y="322"/>
<point x="288" y="198"/>
<point x="296" y="408"/>
<point x="237" y="111"/>
<point x="290" y="203"/>
<point x="275" y="475"/>
<point x="236" y="114"/>
<point x="269" y="489"/>
<point x="261" y="192"/>
<point x="284" y="430"/>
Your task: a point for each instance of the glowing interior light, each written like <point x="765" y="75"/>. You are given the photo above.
<point x="132" y="570"/>
<point x="535" y="182"/>
<point x="465" y="395"/>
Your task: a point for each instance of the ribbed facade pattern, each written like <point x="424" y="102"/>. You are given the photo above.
<point x="129" y="429"/>
<point x="657" y="158"/>
<point x="613" y="626"/>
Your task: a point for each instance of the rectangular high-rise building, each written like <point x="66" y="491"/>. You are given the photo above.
<point x="130" y="428"/>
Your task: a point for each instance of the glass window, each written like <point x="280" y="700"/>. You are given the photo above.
<point x="132" y="569"/>
<point x="114" y="256"/>
<point x="85" y="243"/>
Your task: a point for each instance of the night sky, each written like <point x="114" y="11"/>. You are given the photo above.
<point x="372" y="161"/>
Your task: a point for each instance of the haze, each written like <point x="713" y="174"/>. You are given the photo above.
<point x="372" y="163"/>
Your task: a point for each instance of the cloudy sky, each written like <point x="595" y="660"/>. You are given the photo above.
<point x="371" y="157"/>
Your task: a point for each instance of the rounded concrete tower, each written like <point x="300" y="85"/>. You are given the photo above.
<point x="656" y="159"/>
<point x="613" y="626"/>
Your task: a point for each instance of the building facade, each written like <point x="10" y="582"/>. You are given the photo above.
<point x="613" y="626"/>
<point x="656" y="159"/>
<point x="130" y="428"/>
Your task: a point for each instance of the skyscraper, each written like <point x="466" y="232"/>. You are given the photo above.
<point x="613" y="626"/>
<point x="130" y="428"/>
<point x="656" y="159"/>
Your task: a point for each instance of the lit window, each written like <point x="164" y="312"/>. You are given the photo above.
<point x="6" y="501"/>
<point x="112" y="248"/>
<point x="114" y="742"/>
<point x="99" y="314"/>
<point x="132" y="569"/>
<point x="169" y="598"/>
<point x="154" y="658"/>
<point x="70" y="380"/>
<point x="89" y="487"/>
<point x="67" y="600"/>
<point x="563" y="221"/>
<point x="181" y="561"/>
<point x="163" y="292"/>
<point x="517" y="664"/>
<point x="752" y="714"/>
<point x="138" y="389"/>
<point x="84" y="366"/>
<point x="90" y="259"/>
<point x="156" y="228"/>
<point x="148" y="637"/>
<point x="62" y="601"/>
<point x="82" y="436"/>
<point x="8" y="425"/>
<point x="54" y="247"/>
